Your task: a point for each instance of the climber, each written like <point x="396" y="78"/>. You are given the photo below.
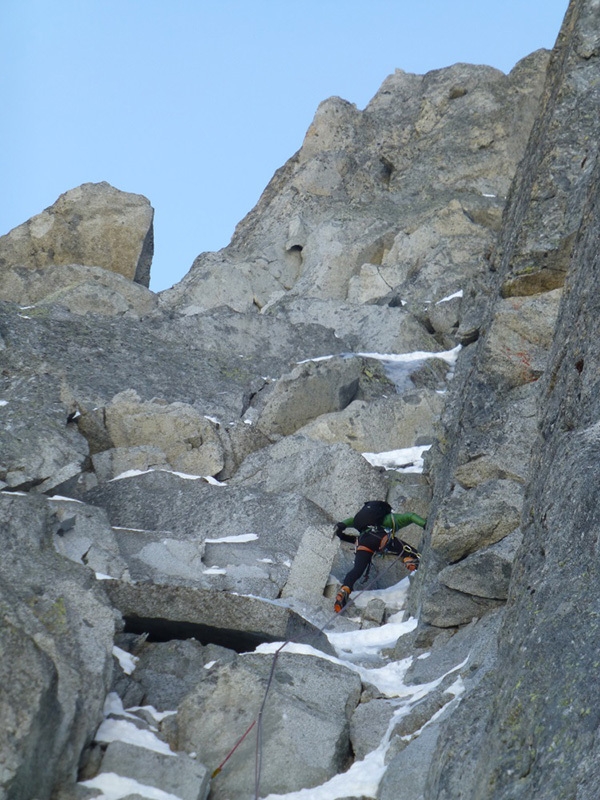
<point x="376" y="524"/>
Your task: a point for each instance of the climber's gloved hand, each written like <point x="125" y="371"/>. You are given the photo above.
<point x="338" y="529"/>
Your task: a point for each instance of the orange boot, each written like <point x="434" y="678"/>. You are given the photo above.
<point x="341" y="599"/>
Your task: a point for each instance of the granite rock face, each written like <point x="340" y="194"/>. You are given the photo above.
<point x="503" y="377"/>
<point x="543" y="745"/>
<point x="416" y="288"/>
<point x="355" y="214"/>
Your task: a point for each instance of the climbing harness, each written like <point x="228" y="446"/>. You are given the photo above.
<point x="392" y="547"/>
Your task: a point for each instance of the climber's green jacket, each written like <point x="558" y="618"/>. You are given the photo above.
<point x="393" y="522"/>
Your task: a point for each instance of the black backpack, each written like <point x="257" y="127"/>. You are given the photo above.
<point x="371" y="514"/>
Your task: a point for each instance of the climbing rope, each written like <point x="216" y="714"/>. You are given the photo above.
<point x="216" y="771"/>
<point x="259" y="749"/>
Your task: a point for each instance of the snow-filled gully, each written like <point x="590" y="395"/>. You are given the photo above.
<point x="354" y="649"/>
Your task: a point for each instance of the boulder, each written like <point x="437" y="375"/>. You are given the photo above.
<point x="365" y="328"/>
<point x="311" y="567"/>
<point x="410" y="491"/>
<point x="247" y="566"/>
<point x="444" y="315"/>
<point x="238" y="440"/>
<point x="31" y="714"/>
<point x="167" y="671"/>
<point x="391" y="423"/>
<point x="470" y="520"/>
<point x="311" y="389"/>
<point x="405" y="778"/>
<point x="250" y="345"/>
<point x="310" y="700"/>
<point x="437" y="256"/>
<point x="375" y="611"/>
<point x="188" y="440"/>
<point x="93" y="362"/>
<point x="95" y="225"/>
<point x="243" y="286"/>
<point x="369" y="724"/>
<point x="180" y="776"/>
<point x="83" y="534"/>
<point x="39" y="449"/>
<point x="331" y="476"/>
<point x="57" y="640"/>
<point x="449" y="608"/>
<point x="487" y="572"/>
<point x="229" y="620"/>
<point x="116" y="461"/>
<point x="240" y="538"/>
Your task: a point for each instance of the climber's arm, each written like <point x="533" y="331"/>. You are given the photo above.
<point x="397" y="521"/>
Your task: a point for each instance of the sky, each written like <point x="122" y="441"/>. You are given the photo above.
<point x="195" y="103"/>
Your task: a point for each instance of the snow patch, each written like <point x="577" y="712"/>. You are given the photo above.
<point x="132" y="473"/>
<point x="372" y="640"/>
<point x="408" y="459"/>
<point x="394" y="596"/>
<point x="242" y="537"/>
<point x="450" y="297"/>
<point x="135" y="530"/>
<point x="457" y="688"/>
<point x="388" y="679"/>
<point x="127" y="662"/>
<point x="213" y="481"/>
<point x="449" y="356"/>
<point x="120" y="730"/>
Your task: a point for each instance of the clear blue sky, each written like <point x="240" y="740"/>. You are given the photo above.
<point x="195" y="103"/>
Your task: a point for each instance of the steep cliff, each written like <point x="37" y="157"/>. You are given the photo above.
<point x="533" y="725"/>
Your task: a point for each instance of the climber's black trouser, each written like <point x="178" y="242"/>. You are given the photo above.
<point x="362" y="559"/>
